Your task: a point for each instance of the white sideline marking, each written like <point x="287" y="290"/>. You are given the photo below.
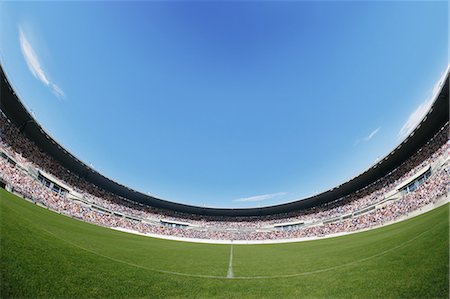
<point x="241" y="277"/>
<point x="230" y="264"/>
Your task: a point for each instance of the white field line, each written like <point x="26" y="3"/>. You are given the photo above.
<point x="230" y="264"/>
<point x="241" y="277"/>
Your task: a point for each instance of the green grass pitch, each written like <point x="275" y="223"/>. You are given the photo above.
<point x="44" y="254"/>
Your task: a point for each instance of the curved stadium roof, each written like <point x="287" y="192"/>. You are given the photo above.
<point x="436" y="117"/>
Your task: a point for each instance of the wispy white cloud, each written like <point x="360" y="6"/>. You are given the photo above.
<point x="260" y="197"/>
<point x="373" y="133"/>
<point x="35" y="66"/>
<point x="417" y="115"/>
<point x="368" y="137"/>
<point x="414" y="118"/>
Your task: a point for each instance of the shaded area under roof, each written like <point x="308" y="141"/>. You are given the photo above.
<point x="13" y="108"/>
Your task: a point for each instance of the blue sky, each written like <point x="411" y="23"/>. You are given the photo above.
<point x="226" y="104"/>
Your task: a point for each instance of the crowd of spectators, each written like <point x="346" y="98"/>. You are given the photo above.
<point x="17" y="146"/>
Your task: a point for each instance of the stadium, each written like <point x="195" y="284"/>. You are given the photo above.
<point x="67" y="230"/>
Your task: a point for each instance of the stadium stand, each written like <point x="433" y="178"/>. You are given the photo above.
<point x="419" y="180"/>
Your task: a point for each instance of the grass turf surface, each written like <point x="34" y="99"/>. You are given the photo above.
<point x="44" y="254"/>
